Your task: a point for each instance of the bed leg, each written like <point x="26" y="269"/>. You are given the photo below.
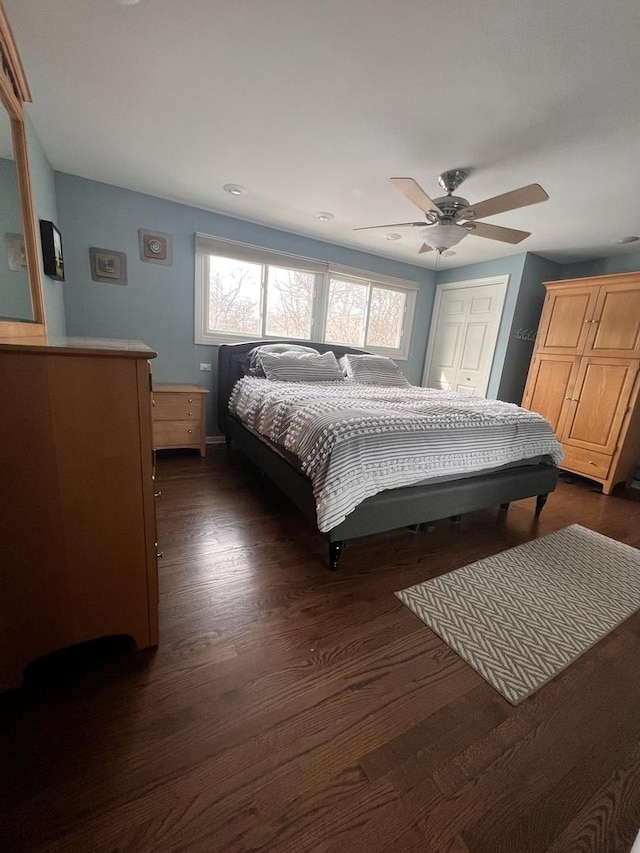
<point x="504" y="507"/>
<point x="540" y="502"/>
<point x="227" y="441"/>
<point x="456" y="519"/>
<point x="335" y="549"/>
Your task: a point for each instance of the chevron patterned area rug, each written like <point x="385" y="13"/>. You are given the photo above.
<point x="522" y="616"/>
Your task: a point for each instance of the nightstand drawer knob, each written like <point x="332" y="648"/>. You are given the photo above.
<point x="157" y="494"/>
<point x="190" y="414"/>
<point x="189" y="431"/>
<point x="159" y="554"/>
<point x="190" y="400"/>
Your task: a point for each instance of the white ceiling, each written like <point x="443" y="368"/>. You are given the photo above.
<point x="312" y="106"/>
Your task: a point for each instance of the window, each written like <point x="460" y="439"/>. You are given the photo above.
<point x="244" y="292"/>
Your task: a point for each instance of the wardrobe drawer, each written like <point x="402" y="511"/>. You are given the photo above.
<point x="176" y="434"/>
<point x="586" y="462"/>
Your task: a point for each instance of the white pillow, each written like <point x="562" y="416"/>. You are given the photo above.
<point x="301" y="367"/>
<point x="373" y="370"/>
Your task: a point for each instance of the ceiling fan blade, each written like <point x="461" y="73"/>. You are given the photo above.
<point x="497" y="232"/>
<point x="522" y="197"/>
<point x="394" y="225"/>
<point x="414" y="192"/>
<point x="424" y="248"/>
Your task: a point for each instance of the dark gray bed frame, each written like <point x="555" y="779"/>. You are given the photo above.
<point x="388" y="510"/>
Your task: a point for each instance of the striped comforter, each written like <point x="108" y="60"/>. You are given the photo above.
<point x="356" y="440"/>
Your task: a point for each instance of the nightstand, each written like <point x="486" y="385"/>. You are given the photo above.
<point x="179" y="417"/>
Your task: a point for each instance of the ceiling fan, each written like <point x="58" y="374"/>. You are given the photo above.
<point x="450" y="218"/>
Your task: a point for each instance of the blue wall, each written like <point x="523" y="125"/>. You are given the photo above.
<point x="157" y="305"/>
<point x="526" y="316"/>
<point x="625" y="261"/>
<point x="45" y="207"/>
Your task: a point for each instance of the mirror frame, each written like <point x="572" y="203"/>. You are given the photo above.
<point x="14" y="91"/>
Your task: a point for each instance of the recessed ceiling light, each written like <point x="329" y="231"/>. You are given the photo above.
<point x="127" y="2"/>
<point x="234" y="189"/>
<point x="623" y="240"/>
<point x="394" y="236"/>
<point x="323" y="216"/>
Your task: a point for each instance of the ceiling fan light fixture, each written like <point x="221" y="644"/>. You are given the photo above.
<point x="443" y="237"/>
<point x="394" y="237"/>
<point x="323" y="216"/>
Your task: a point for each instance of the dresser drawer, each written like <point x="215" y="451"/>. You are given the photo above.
<point x="586" y="462"/>
<point x="176" y="434"/>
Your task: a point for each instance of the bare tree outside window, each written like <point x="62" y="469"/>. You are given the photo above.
<point x="290" y="296"/>
<point x="234" y="296"/>
<point x="386" y="316"/>
<point x="263" y="296"/>
<point x="346" y="312"/>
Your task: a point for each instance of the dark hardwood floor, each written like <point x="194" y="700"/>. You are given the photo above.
<point x="289" y="709"/>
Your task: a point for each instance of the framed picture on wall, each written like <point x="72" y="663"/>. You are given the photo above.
<point x="52" y="258"/>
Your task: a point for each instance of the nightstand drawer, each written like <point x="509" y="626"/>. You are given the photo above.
<point x="176" y="407"/>
<point x="176" y="434"/>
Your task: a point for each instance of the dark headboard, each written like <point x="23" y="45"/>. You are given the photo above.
<point x="230" y="368"/>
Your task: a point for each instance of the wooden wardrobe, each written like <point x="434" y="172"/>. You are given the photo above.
<point x="585" y="374"/>
<point x="77" y="515"/>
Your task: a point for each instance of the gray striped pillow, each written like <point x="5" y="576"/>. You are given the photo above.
<point x="301" y="367"/>
<point x="250" y="362"/>
<point x="373" y="370"/>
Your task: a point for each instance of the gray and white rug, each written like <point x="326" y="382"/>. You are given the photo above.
<point x="522" y="616"/>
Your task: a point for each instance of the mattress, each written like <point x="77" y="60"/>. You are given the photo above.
<point x="355" y="440"/>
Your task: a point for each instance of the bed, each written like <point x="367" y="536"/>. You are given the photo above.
<point x="406" y="506"/>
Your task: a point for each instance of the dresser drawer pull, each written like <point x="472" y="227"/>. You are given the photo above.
<point x="190" y="400"/>
<point x="189" y="431"/>
<point x="157" y="494"/>
<point x="190" y="413"/>
<point x="591" y="463"/>
<point x="159" y="554"/>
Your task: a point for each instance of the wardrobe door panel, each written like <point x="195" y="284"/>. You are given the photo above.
<point x="615" y="329"/>
<point x="565" y="320"/>
<point x="602" y="393"/>
<point x="548" y="391"/>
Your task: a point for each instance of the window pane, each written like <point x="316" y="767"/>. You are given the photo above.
<point x="289" y="302"/>
<point x="346" y="312"/>
<point x="386" y="317"/>
<point x="234" y="296"/>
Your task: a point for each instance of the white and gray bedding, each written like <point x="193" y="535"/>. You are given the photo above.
<point x="355" y="440"/>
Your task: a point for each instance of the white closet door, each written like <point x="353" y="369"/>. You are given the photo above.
<point x="463" y="335"/>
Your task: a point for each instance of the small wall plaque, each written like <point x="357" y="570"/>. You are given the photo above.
<point x="108" y="266"/>
<point x="16" y="251"/>
<point x="155" y="247"/>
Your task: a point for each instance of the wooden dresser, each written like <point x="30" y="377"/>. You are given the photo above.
<point x="585" y="374"/>
<point x="179" y="417"/>
<point x="77" y="525"/>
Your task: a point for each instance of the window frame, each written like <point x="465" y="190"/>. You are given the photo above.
<point x="207" y="246"/>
